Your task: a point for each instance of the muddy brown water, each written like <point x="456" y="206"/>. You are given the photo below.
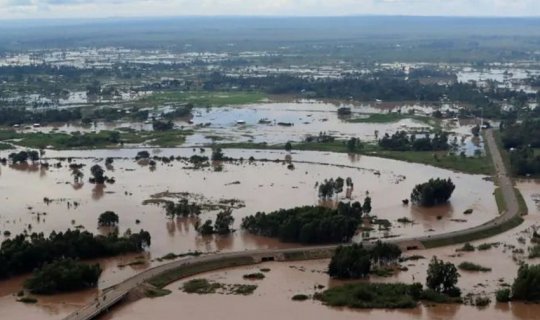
<point x="272" y="298"/>
<point x="263" y="187"/>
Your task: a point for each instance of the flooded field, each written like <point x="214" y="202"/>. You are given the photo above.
<point x="260" y="186"/>
<point x="272" y="298"/>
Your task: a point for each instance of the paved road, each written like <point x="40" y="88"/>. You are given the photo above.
<point x="112" y="295"/>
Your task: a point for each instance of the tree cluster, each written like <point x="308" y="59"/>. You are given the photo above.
<point x="442" y="277"/>
<point x="25" y="253"/>
<point x="63" y="275"/>
<point x="355" y="261"/>
<point x="308" y="224"/>
<point x="222" y="225"/>
<point x="402" y="141"/>
<point x="432" y="193"/>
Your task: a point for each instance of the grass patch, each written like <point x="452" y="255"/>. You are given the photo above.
<point x="472" y="165"/>
<point x="203" y="286"/>
<point x="476" y="235"/>
<point x="5" y="146"/>
<point x="202" y="98"/>
<point x="370" y="295"/>
<point x="170" y="276"/>
<point x="469" y="266"/>
<point x="156" y="292"/>
<point x="522" y="205"/>
<point x="499" y="198"/>
<point x="254" y="276"/>
<point x="102" y="139"/>
<point x="300" y="297"/>
<point x="467" y="247"/>
<point x="485" y="246"/>
<point x="437" y="297"/>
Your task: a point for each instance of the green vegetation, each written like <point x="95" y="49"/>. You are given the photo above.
<point x="393" y="117"/>
<point x="472" y="165"/>
<point x="151" y="292"/>
<point x="254" y="276"/>
<point x="503" y="295"/>
<point x="432" y="193"/>
<point x="63" y="275"/>
<point x="372" y="295"/>
<point x="469" y="266"/>
<point x="102" y="139"/>
<point x="355" y="261"/>
<point x="27" y="300"/>
<point x="442" y="277"/>
<point x="440" y="159"/>
<point x="170" y="276"/>
<point x="202" y="98"/>
<point x="476" y="235"/>
<point x="522" y="205"/>
<point x="534" y="251"/>
<point x="402" y="141"/>
<point x="499" y="199"/>
<point x="467" y="247"/>
<point x="300" y="297"/>
<point x="5" y="146"/>
<point x="222" y="225"/>
<point x="487" y="246"/>
<point x="200" y="286"/>
<point x="522" y="139"/>
<point x="203" y="286"/>
<point x="525" y="286"/>
<point x="25" y="253"/>
<point x="108" y="219"/>
<point x="308" y="224"/>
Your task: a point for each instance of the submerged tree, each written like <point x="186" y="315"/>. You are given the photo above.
<point x="224" y="221"/>
<point x="108" y="219"/>
<point x="98" y="174"/>
<point x="443" y="277"/>
<point x="434" y="192"/>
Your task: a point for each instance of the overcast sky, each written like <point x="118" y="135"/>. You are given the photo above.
<point x="29" y="9"/>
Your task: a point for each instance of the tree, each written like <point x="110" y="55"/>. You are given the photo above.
<point x="77" y="174"/>
<point x="98" y="174"/>
<point x="350" y="262"/>
<point x="206" y="228"/>
<point x="434" y="192"/>
<point x="217" y="154"/>
<point x="443" y="277"/>
<point x="224" y="221"/>
<point x="288" y="146"/>
<point x="142" y="155"/>
<point x="527" y="284"/>
<point x="366" y="207"/>
<point x="108" y="219"/>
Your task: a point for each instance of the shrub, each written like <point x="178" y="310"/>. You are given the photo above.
<point x="502" y="295"/>
<point x="469" y="266"/>
<point x="254" y="276"/>
<point x="466" y="247"/>
<point x="300" y="297"/>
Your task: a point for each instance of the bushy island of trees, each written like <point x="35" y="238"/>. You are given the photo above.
<point x="63" y="275"/>
<point x="24" y="253"/>
<point x="355" y="262"/>
<point x="523" y="142"/>
<point x="434" y="192"/>
<point x="308" y="224"/>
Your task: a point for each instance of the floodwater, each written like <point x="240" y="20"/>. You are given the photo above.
<point x="264" y="186"/>
<point x="305" y="118"/>
<point x="272" y="298"/>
